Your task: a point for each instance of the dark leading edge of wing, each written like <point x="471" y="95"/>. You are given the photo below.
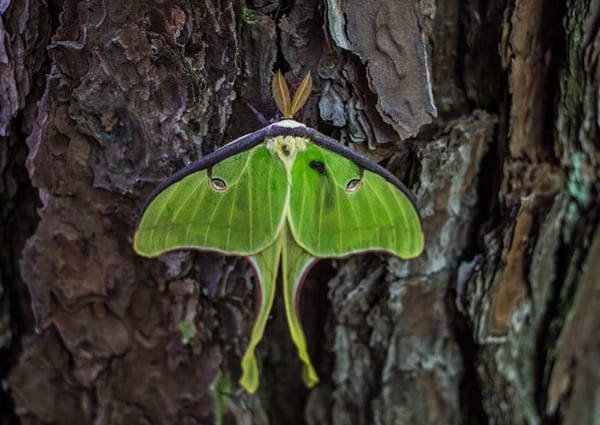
<point x="251" y="140"/>
<point x="241" y="144"/>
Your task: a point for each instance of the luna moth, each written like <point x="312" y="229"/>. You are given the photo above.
<point x="283" y="197"/>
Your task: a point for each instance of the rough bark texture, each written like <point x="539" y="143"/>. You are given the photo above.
<point x="497" y="322"/>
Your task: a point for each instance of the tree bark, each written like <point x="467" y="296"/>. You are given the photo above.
<point x="496" y="322"/>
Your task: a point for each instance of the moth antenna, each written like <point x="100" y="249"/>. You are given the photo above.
<point x="302" y="94"/>
<point x="259" y="116"/>
<point x="281" y="94"/>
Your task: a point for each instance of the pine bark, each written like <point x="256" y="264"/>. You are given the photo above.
<point x="496" y="323"/>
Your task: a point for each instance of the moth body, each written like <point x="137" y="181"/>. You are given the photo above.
<point x="285" y="148"/>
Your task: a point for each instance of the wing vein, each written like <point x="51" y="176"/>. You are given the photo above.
<point x="250" y="210"/>
<point x="355" y="216"/>
<point x="270" y="199"/>
<point x="198" y="199"/>
<point x="231" y="204"/>
<point x="300" y="221"/>
<point x="338" y="209"/>
<point x="404" y="228"/>
<point x="320" y="218"/>
<point x="159" y="214"/>
<point x="377" y="193"/>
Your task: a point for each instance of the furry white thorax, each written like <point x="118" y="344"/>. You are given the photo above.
<point x="286" y="148"/>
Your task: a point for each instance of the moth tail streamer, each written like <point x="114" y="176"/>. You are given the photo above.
<point x="296" y="262"/>
<point x="266" y="265"/>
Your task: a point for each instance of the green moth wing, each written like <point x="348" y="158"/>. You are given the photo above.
<point x="266" y="266"/>
<point x="216" y="208"/>
<point x="295" y="264"/>
<point x="338" y="208"/>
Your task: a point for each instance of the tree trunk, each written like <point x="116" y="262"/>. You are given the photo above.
<point x="496" y="322"/>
